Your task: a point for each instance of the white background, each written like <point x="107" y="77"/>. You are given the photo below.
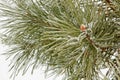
<point x="5" y="74"/>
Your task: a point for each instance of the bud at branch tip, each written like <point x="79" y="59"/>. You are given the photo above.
<point x="83" y="27"/>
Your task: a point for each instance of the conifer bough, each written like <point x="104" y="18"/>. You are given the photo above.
<point x="50" y="33"/>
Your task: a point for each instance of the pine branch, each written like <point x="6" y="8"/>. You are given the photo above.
<point x="46" y="32"/>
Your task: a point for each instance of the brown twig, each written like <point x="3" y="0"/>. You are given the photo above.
<point x="108" y="1"/>
<point x="83" y="29"/>
<point x="93" y="43"/>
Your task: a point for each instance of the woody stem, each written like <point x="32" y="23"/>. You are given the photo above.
<point x="93" y="43"/>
